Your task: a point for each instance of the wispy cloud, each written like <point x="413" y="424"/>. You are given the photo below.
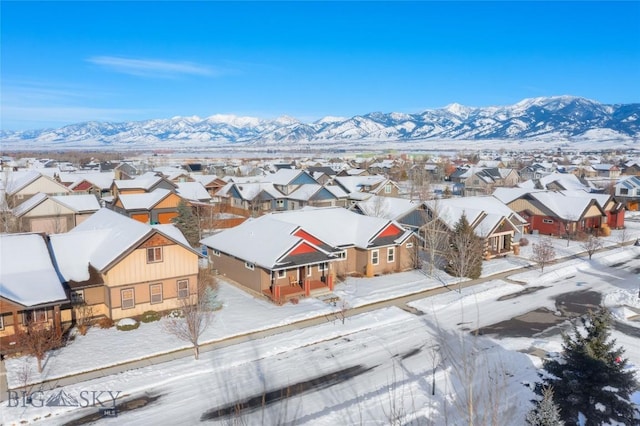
<point x="152" y="68"/>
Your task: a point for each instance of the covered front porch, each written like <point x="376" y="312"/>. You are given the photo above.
<point x="299" y="281"/>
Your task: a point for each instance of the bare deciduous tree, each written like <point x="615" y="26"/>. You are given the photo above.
<point x="194" y="314"/>
<point x="623" y="236"/>
<point x="37" y="339"/>
<point x="435" y="238"/>
<point x="591" y="245"/>
<point x="543" y="253"/>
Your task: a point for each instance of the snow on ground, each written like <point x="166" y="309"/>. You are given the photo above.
<point x="388" y="351"/>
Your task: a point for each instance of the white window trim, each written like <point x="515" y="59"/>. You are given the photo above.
<point x="178" y="289"/>
<point x="249" y="266"/>
<point x="309" y="271"/>
<point x="157" y="285"/>
<point x="377" y="257"/>
<point x="391" y="253"/>
<point x="122" y="299"/>
<point x="215" y="252"/>
<point x="547" y="220"/>
<point x="323" y="267"/>
<point x="409" y="245"/>
<point x="388" y="188"/>
<point x="1" y="322"/>
<point x="342" y="255"/>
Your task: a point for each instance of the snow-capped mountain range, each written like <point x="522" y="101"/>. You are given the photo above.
<point x="565" y="118"/>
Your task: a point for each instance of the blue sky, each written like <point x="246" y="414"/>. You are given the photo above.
<point x="69" y="62"/>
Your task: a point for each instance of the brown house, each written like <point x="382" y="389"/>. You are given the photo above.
<point x="158" y="206"/>
<point x="297" y="253"/>
<point x="30" y="288"/>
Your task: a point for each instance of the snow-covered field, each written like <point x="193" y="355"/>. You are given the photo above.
<point x="373" y="368"/>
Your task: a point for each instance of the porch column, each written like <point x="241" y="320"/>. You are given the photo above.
<point x="276" y="292"/>
<point x="57" y="320"/>
<point x="307" y="287"/>
<point x="330" y="282"/>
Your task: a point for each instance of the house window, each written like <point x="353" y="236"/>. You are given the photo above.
<point x="35" y="316"/>
<point x="183" y="289"/>
<point x="128" y="298"/>
<point x="547" y="221"/>
<point x="1" y="322"/>
<point x="155" y="290"/>
<point x="279" y="204"/>
<point x="391" y="254"/>
<point x="342" y="255"/>
<point x="154" y="254"/>
<point x="624" y="191"/>
<point x="375" y="257"/>
<point x="323" y="267"/>
<point x="387" y="188"/>
<point x="409" y="245"/>
<point x="216" y="252"/>
<point x="309" y="271"/>
<point x="76" y="296"/>
<point x="282" y="273"/>
<point x="249" y="265"/>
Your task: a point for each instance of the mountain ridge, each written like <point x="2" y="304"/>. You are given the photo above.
<point x="556" y="117"/>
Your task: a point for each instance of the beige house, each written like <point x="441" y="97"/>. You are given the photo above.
<point x="122" y="268"/>
<point x="53" y="214"/>
<point x="22" y="185"/>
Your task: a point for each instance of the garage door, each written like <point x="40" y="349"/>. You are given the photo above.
<point x="165" y="218"/>
<point x="50" y="225"/>
<point x="141" y="217"/>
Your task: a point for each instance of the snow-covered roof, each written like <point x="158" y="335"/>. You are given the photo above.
<point x="335" y="225"/>
<point x="15" y="181"/>
<point x="357" y="183"/>
<point x="102" y="180"/>
<point x="566" y="208"/>
<point x="249" y="191"/>
<point x="80" y="203"/>
<point x="390" y="208"/>
<point x="262" y="241"/>
<point x="204" y="179"/>
<point x="193" y="191"/>
<point x="143" y="201"/>
<point x="27" y="274"/>
<point x="283" y="176"/>
<point x="337" y="191"/>
<point x="29" y="204"/>
<point x="304" y="192"/>
<point x="100" y="240"/>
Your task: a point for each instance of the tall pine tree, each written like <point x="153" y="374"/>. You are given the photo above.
<point x="591" y="375"/>
<point x="465" y="251"/>
<point x="187" y="223"/>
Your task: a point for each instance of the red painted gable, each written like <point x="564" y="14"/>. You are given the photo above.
<point x="302" y="249"/>
<point x="307" y="237"/>
<point x="82" y="186"/>
<point x="390" y="231"/>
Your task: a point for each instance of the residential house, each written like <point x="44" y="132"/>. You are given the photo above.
<point x="17" y="187"/>
<point x="120" y="267"/>
<point x="30" y="287"/>
<point x="606" y="170"/>
<point x="147" y="182"/>
<point x="193" y="192"/>
<point x="53" y="214"/>
<point x="314" y="244"/>
<point x="499" y="226"/>
<point x="376" y="184"/>
<point x="156" y="207"/>
<point x="212" y="184"/>
<point x="553" y="212"/>
<point x="627" y="190"/>
<point x="124" y="171"/>
<point x="558" y="182"/>
<point x="482" y="181"/>
<point x="631" y="168"/>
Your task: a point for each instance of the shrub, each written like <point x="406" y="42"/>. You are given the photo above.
<point x="150" y="316"/>
<point x="524" y="242"/>
<point x="127" y="324"/>
<point x="294" y="300"/>
<point x="105" y="322"/>
<point x="83" y="328"/>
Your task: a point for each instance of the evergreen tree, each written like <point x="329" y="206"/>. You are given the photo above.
<point x="546" y="412"/>
<point x="187" y="223"/>
<point x="590" y="376"/>
<point x="465" y="251"/>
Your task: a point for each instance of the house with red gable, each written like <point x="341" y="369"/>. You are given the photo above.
<point x="300" y="253"/>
